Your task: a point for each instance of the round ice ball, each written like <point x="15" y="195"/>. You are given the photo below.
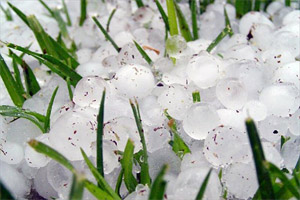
<point x="232" y="118"/>
<point x="231" y="93"/>
<point x="292" y="17"/>
<point x="175" y="45"/>
<point x="280" y="99"/>
<point x="88" y="91"/>
<point x="157" y="137"/>
<point x="176" y="99"/>
<point x="203" y="70"/>
<point x="11" y="153"/>
<point x="199" y="120"/>
<point x="294" y="123"/>
<point x="272" y="128"/>
<point x="225" y="145"/>
<point x="240" y="180"/>
<point x="256" y="110"/>
<point x="92" y="68"/>
<point x="289" y="73"/>
<point x="194" y="159"/>
<point x="134" y="81"/>
<point x="272" y="154"/>
<point x="252" y="18"/>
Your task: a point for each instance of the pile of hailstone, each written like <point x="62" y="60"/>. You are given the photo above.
<point x="254" y="73"/>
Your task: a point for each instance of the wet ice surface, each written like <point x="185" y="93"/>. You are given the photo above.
<point x="246" y="75"/>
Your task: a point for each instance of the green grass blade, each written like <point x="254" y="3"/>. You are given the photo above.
<point x="139" y="3"/>
<point x="283" y="140"/>
<point x="172" y="17"/>
<point x="4" y="193"/>
<point x="143" y="53"/>
<point x="17" y="74"/>
<point x="65" y="9"/>
<point x="242" y="7"/>
<point x="119" y="182"/>
<point x="100" y="126"/>
<point x="196" y="96"/>
<point x="96" y="191"/>
<point x="276" y="172"/>
<point x="204" y="4"/>
<point x="11" y="85"/>
<point x="183" y="25"/>
<point x="218" y="39"/>
<point x="110" y="18"/>
<point x="19" y="13"/>
<point x="99" y="178"/>
<point x="107" y="36"/>
<point x="61" y="23"/>
<point x="7" y="13"/>
<point x="77" y="187"/>
<point x="52" y="153"/>
<point x="287" y="3"/>
<point x="69" y="89"/>
<point x="83" y="8"/>
<point x="49" y="109"/>
<point x="263" y="175"/>
<point x="127" y="162"/>
<point x="163" y="15"/>
<point x="159" y="185"/>
<point x="145" y="177"/>
<point x="203" y="186"/>
<point x="178" y="145"/>
<point x="12" y="109"/>
<point x="227" y="23"/>
<point x="194" y="19"/>
<point x="257" y="5"/>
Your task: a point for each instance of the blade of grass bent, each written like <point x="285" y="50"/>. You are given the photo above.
<point x="183" y="25"/>
<point x="110" y="18"/>
<point x="172" y="17"/>
<point x="7" y="13"/>
<point x="11" y="85"/>
<point x="65" y="9"/>
<point x="77" y="187"/>
<point x="227" y="23"/>
<point x="19" y="13"/>
<point x="83" y="9"/>
<point x="11" y="109"/>
<point x="218" y="39"/>
<point x="143" y="53"/>
<point x="17" y="74"/>
<point x="49" y="109"/>
<point x="194" y="19"/>
<point x="203" y="186"/>
<point x="159" y="185"/>
<point x="163" y="15"/>
<point x="263" y="176"/>
<point x="119" y="182"/>
<point x="100" y="120"/>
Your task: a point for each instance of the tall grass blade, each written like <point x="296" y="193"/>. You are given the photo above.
<point x="83" y="8"/>
<point x="143" y="53"/>
<point x="172" y="17"/>
<point x="203" y="186"/>
<point x="77" y="187"/>
<point x="194" y="19"/>
<point x="100" y="120"/>
<point x="242" y="7"/>
<point x="11" y="85"/>
<point x="119" y="182"/>
<point x="227" y="23"/>
<point x="69" y="89"/>
<point x="145" y="177"/>
<point x="49" y="109"/>
<point x="218" y="39"/>
<point x="263" y="175"/>
<point x="99" y="178"/>
<point x="139" y="3"/>
<point x="52" y="153"/>
<point x="110" y="18"/>
<point x="7" y="13"/>
<point x="96" y="191"/>
<point x="183" y="25"/>
<point x="163" y="15"/>
<point x="127" y="162"/>
<point x="17" y="74"/>
<point x="107" y="36"/>
<point x="19" y="13"/>
<point x="287" y="3"/>
<point x="159" y="185"/>
<point x="5" y="193"/>
<point x="65" y="9"/>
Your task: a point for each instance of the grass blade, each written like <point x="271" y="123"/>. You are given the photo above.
<point x="49" y="109"/>
<point x="97" y="192"/>
<point x="178" y="145"/>
<point x="227" y="23"/>
<point x="19" y="13"/>
<point x="69" y="89"/>
<point x="143" y="53"/>
<point x="196" y="96"/>
<point x="127" y="162"/>
<point x="194" y="19"/>
<point x="50" y="152"/>
<point x="139" y="3"/>
<point x="172" y="17"/>
<point x="263" y="176"/>
<point x="218" y="39"/>
<point x="4" y="193"/>
<point x="145" y="177"/>
<point x="203" y="186"/>
<point x="17" y="74"/>
<point x="107" y="36"/>
<point x="163" y="15"/>
<point x="119" y="182"/>
<point x="11" y="85"/>
<point x="83" y="7"/>
<point x="65" y="9"/>
<point x="287" y="3"/>
<point x="11" y="109"/>
<point x="77" y="187"/>
<point x="109" y="19"/>
<point x="100" y="120"/>
<point x="101" y="181"/>
<point x="242" y="7"/>
<point x="159" y="185"/>
<point x="183" y="25"/>
<point x="7" y="13"/>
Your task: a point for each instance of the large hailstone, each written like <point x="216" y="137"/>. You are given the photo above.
<point x="203" y="70"/>
<point x="199" y="120"/>
<point x="134" y="81"/>
<point x="11" y="153"/>
<point x="289" y="73"/>
<point x="252" y="18"/>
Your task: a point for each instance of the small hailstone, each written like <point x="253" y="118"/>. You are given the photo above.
<point x="122" y="38"/>
<point x="42" y="186"/>
<point x="92" y="69"/>
<point x="294" y="123"/>
<point x="272" y="154"/>
<point x="289" y="73"/>
<point x="151" y="112"/>
<point x="129" y="55"/>
<point x="88" y="91"/>
<point x="194" y="159"/>
<point x="157" y="137"/>
<point x="11" y="153"/>
<point x="176" y="99"/>
<point x="256" y="110"/>
<point x="252" y="18"/>
<point x="84" y="55"/>
<point x="203" y="70"/>
<point x="141" y="193"/>
<point x="175" y="45"/>
<point x="240" y="52"/>
<point x="272" y="128"/>
<point x="143" y="15"/>
<point x="240" y="180"/>
<point x="280" y="99"/>
<point x="134" y="81"/>
<point x="199" y="120"/>
<point x="274" y="7"/>
<point x="290" y="152"/>
<point x="231" y="93"/>
<point x="232" y="118"/>
<point x="292" y="17"/>
<point x="226" y="145"/>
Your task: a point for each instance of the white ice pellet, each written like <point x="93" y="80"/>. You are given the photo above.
<point x="289" y="73"/>
<point x="252" y="18"/>
<point x="175" y="45"/>
<point x="194" y="159"/>
<point x="256" y="110"/>
<point x="151" y="112"/>
<point x="199" y="120"/>
<point x="84" y="55"/>
<point x="292" y="17"/>
<point x="294" y="123"/>
<point x="272" y="154"/>
<point x="134" y="81"/>
<point x="232" y="118"/>
<point x="157" y="137"/>
<point x="272" y="128"/>
<point x="11" y="153"/>
<point x="42" y="186"/>
<point x="290" y="152"/>
<point x="92" y="69"/>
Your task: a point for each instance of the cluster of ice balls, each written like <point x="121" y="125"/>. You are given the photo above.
<point x="254" y="73"/>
